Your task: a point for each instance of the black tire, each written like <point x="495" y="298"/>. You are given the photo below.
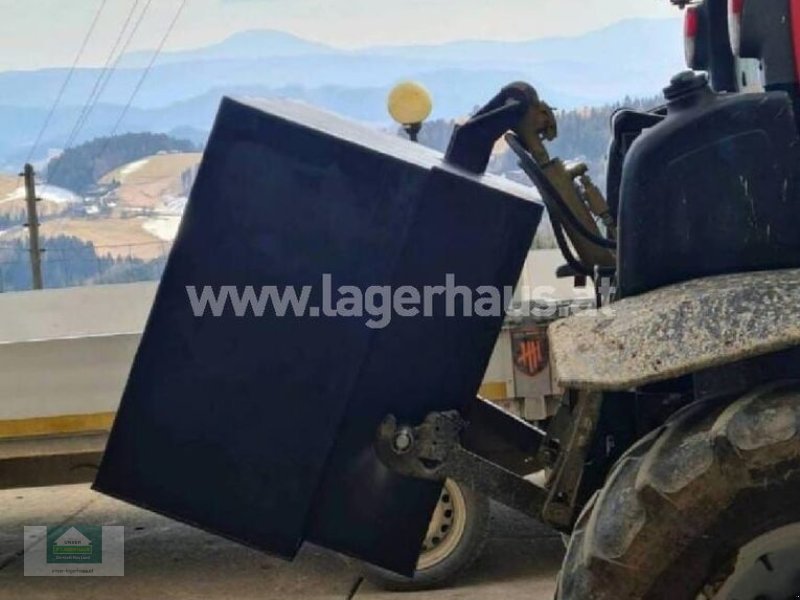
<point x="460" y="552"/>
<point x="681" y="504"/>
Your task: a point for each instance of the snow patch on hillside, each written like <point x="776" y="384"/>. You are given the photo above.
<point x="131" y="168"/>
<point x="52" y="193"/>
<point x="164" y="228"/>
<point x="175" y="206"/>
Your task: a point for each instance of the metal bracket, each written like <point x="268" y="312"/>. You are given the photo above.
<point x="433" y="451"/>
<point x="583" y="412"/>
<point x="516" y="106"/>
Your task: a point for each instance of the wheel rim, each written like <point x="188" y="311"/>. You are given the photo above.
<point x="446" y="527"/>
<point x="767" y="567"/>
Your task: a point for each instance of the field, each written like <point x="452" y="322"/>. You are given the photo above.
<point x="12" y="199"/>
<point x="121" y="238"/>
<point x="141" y="211"/>
<point x="151" y="182"/>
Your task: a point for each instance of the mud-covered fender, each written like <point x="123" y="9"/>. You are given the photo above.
<point x="678" y="330"/>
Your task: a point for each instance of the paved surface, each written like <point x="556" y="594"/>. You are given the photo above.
<point x="168" y="561"/>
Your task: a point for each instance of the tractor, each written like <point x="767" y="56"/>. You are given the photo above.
<point x="670" y="462"/>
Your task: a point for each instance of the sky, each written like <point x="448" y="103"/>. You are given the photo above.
<point x="47" y="33"/>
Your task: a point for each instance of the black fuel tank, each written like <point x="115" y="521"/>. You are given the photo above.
<point x="710" y="190"/>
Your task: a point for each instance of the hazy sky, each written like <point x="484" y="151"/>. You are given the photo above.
<point x="44" y="33"/>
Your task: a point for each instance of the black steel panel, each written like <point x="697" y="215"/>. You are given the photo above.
<point x="417" y="366"/>
<point x="260" y="429"/>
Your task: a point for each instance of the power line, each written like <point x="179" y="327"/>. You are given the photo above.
<point x="67" y="79"/>
<point x="146" y="72"/>
<point x="144" y="75"/>
<point x="163" y="243"/>
<point x="109" y="75"/>
<point x="102" y="79"/>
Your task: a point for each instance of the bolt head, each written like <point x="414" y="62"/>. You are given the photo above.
<point x="403" y="441"/>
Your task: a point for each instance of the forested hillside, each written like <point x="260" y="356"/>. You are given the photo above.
<point x="583" y="134"/>
<point x="69" y="262"/>
<point x="78" y="168"/>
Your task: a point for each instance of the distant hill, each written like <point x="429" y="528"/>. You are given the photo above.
<point x="635" y="43"/>
<point x="634" y="57"/>
<point x="79" y="168"/>
<point x="633" y="54"/>
<point x="133" y="211"/>
<point x="245" y="45"/>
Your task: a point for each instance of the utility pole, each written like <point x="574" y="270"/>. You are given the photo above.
<point x="33" y="227"/>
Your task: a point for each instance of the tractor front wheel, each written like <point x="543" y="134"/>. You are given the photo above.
<point x="707" y="507"/>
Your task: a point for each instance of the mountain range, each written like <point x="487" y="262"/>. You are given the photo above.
<point x="181" y="92"/>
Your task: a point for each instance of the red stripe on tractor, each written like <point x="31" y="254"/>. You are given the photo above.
<point x="692" y="22"/>
<point x="794" y="10"/>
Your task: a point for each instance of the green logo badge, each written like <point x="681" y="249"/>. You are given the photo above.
<point x="75" y="543"/>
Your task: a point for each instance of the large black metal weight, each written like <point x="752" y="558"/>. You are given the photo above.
<point x="261" y="429"/>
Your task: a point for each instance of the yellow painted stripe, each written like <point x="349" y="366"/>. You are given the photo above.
<point x="493" y="390"/>
<point x="16" y="428"/>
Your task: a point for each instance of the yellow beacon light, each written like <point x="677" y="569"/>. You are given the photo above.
<point x="410" y="104"/>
